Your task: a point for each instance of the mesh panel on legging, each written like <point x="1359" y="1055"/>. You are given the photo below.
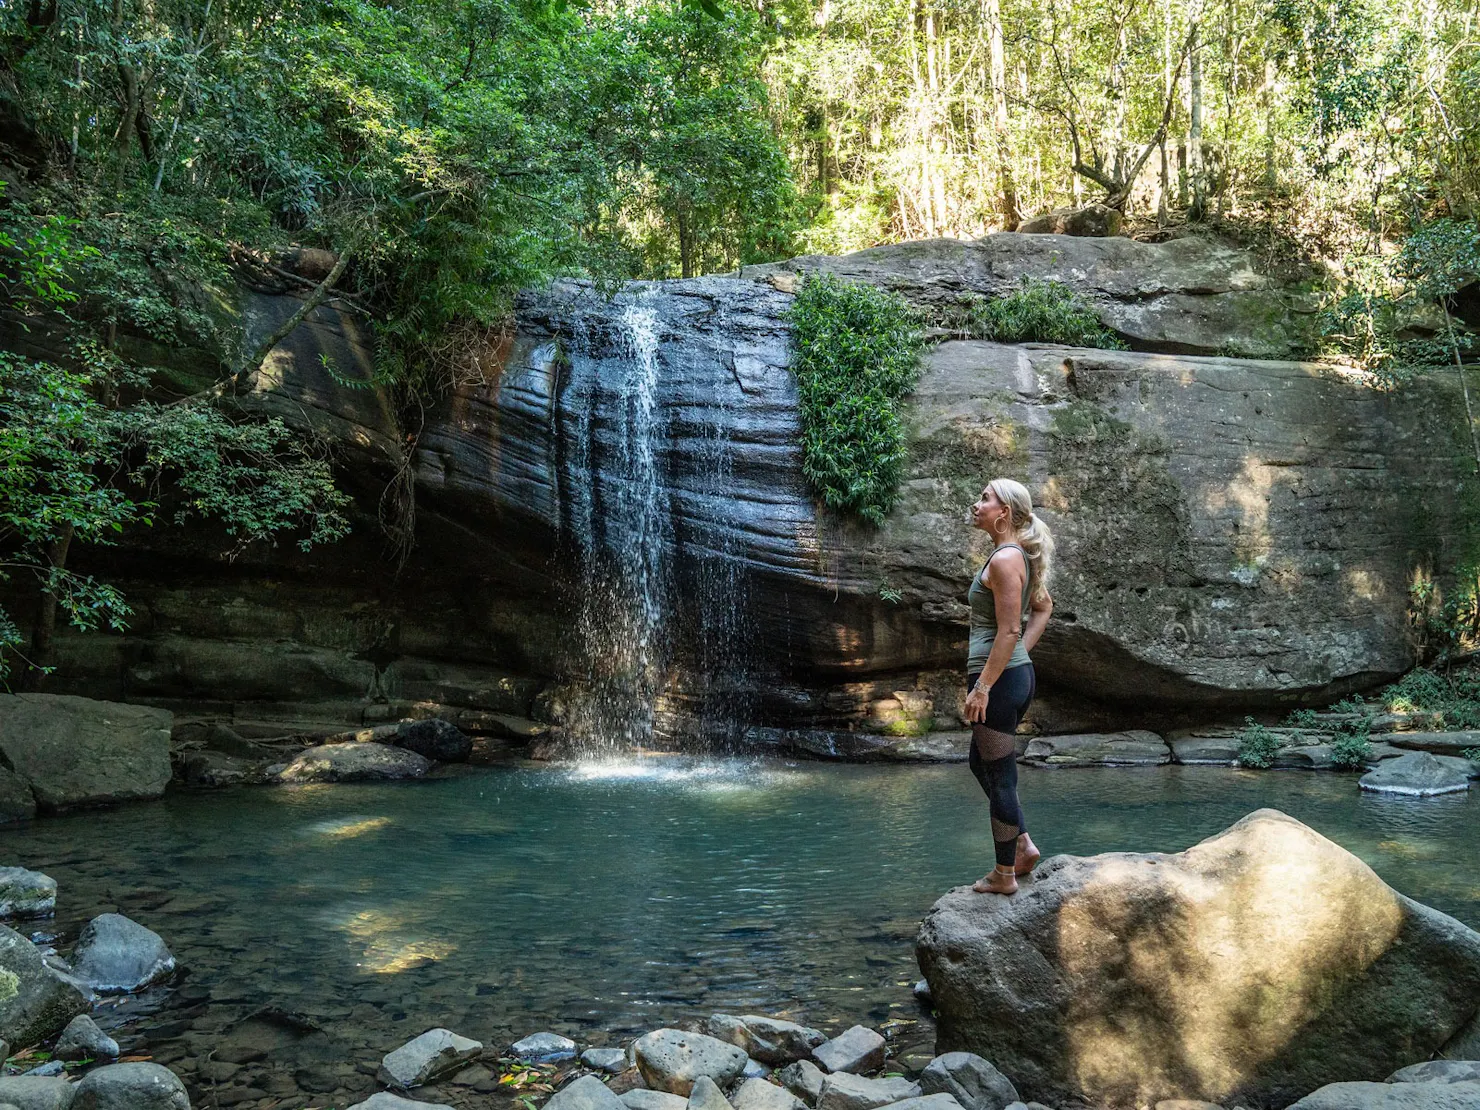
<point x="998" y="778"/>
<point x="993" y="757"/>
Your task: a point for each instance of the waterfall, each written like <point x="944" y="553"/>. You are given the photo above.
<point x="661" y="637"/>
<point x="623" y="526"/>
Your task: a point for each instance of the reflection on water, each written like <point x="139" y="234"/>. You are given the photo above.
<point x="623" y="895"/>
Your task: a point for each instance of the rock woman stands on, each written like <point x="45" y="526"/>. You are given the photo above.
<point x="1010" y="607"/>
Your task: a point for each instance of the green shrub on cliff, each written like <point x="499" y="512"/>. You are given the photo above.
<point x="1037" y="312"/>
<point x="856" y="356"/>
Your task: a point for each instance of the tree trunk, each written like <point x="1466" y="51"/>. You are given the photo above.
<point x="997" y="53"/>
<point x="1194" y="131"/>
<point x="43" y="634"/>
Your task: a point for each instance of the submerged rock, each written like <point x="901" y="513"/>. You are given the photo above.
<point x="973" y="1082"/>
<point x="115" y="955"/>
<point x="26" y="893"/>
<point x="671" y="1060"/>
<point x="138" y="1086"/>
<point x="35" y="1003"/>
<point x="1419" y="774"/>
<point x="1255" y="966"/>
<point x="856" y="1049"/>
<point x="83" y="1040"/>
<point x="354" y="763"/>
<point x="422" y="1059"/>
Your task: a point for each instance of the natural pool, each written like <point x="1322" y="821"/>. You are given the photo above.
<point x="605" y="900"/>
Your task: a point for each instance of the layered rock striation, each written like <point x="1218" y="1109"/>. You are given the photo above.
<point x="622" y="483"/>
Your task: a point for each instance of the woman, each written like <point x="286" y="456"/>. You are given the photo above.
<point x="1010" y="607"/>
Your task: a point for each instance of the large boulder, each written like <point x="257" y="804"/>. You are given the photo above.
<point x="35" y="1003"/>
<point x="75" y="751"/>
<point x="1093" y="219"/>
<point x="116" y="955"/>
<point x="1254" y="967"/>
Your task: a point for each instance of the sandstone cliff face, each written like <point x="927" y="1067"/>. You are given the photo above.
<point x="627" y="489"/>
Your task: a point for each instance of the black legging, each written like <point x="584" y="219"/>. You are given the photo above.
<point x="994" y="754"/>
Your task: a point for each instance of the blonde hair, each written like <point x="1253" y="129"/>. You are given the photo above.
<point x="1032" y="533"/>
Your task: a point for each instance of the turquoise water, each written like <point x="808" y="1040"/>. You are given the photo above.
<point x="604" y="901"/>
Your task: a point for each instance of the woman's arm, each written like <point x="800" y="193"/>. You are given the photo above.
<point x="1040" y="608"/>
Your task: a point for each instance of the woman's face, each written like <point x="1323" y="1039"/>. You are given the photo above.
<point x="988" y="512"/>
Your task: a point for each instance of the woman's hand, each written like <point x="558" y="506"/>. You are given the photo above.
<point x="976" y="704"/>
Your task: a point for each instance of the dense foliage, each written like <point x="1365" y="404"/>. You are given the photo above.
<point x="856" y="353"/>
<point x="84" y="455"/>
<point x="1037" y="312"/>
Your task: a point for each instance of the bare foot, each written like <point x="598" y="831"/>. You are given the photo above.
<point x="996" y="881"/>
<point x="1028" y="855"/>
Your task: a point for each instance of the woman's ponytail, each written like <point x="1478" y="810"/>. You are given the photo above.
<point x="1032" y="534"/>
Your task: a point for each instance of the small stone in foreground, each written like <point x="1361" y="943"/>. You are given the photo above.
<point x="803" y="1079"/>
<point x="51" y="1067"/>
<point x="131" y="1087"/>
<point x="116" y="955"/>
<point x="32" y="1092"/>
<point x="644" y="1099"/>
<point x="845" y="1091"/>
<point x="586" y="1093"/>
<point x="422" y="1059"/>
<point x="767" y="1039"/>
<point x="26" y="893"/>
<point x="754" y="1069"/>
<point x="922" y="992"/>
<point x="542" y="1048"/>
<point x="384" y="1100"/>
<point x="761" y="1094"/>
<point x="83" y="1040"/>
<point x="857" y="1049"/>
<point x="671" y="1060"/>
<point x="972" y="1081"/>
<point x="611" y="1060"/>
<point x="706" y="1095"/>
<point x="1438" y="1071"/>
<point x="1392" y="1096"/>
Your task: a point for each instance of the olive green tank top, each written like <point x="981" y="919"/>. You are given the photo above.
<point x="984" y="618"/>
